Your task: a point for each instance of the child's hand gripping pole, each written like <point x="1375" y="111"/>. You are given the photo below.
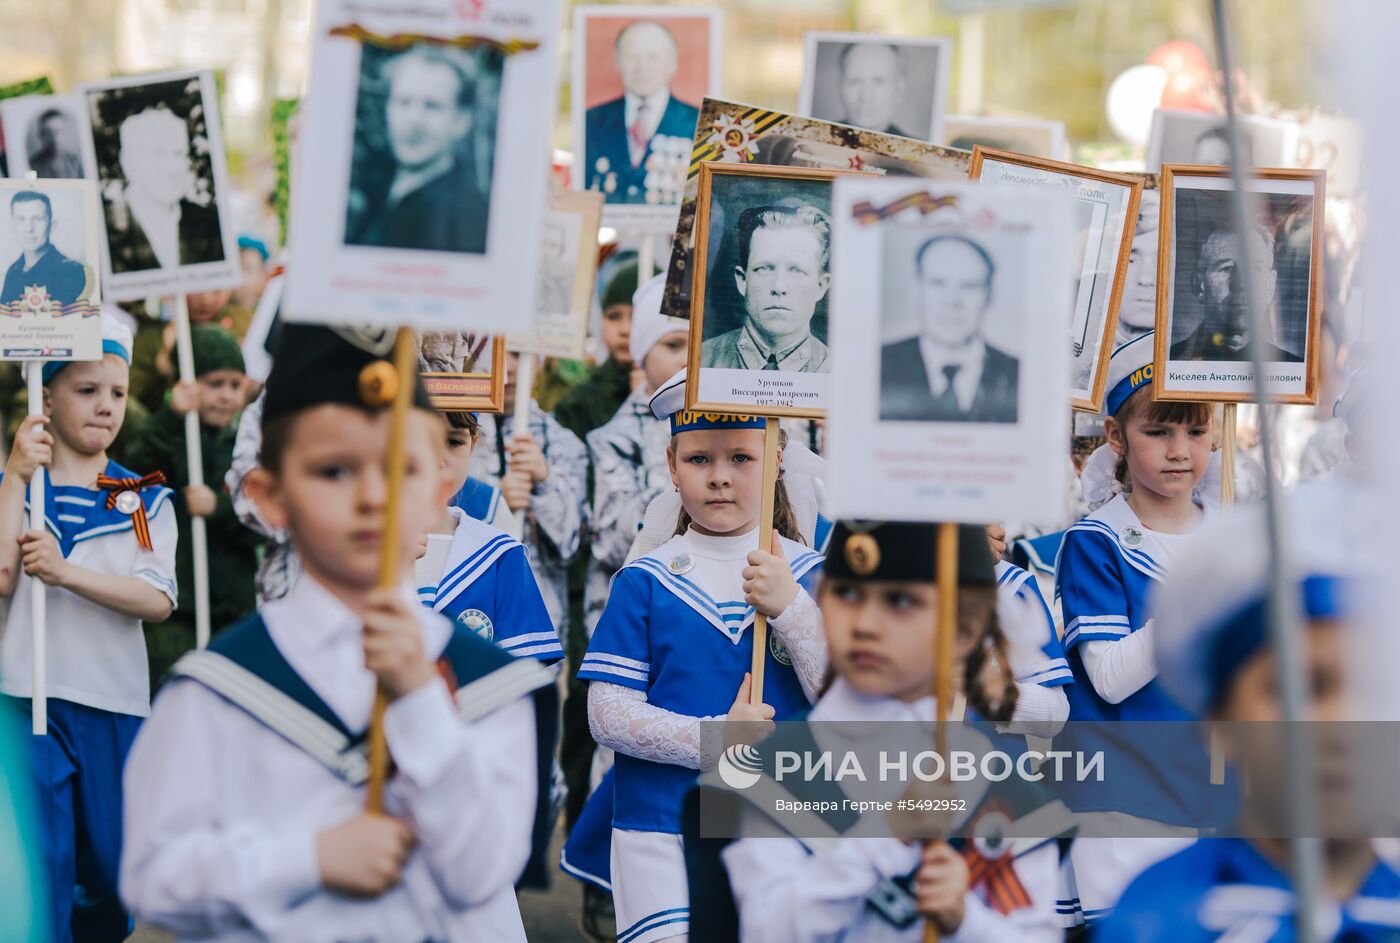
<point x="405" y="366"/>
<point x="194" y="459"/>
<point x="38" y="599"/>
<point x="765" y="540"/>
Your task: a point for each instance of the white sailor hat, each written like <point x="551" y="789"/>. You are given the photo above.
<point x="668" y="402"/>
<point x="1213" y="610"/>
<point x="1129" y="369"/>
<point x="649" y="325"/>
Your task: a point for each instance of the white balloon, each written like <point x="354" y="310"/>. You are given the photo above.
<point x="1132" y="97"/>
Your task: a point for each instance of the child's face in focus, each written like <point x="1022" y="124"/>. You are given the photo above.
<point x="719" y="474"/>
<point x="881" y="635"/>
<point x="665" y="359"/>
<point x="457" y="458"/>
<point x="86" y="402"/>
<point x="220" y="397"/>
<point x="332" y="490"/>
<point x="617" y="332"/>
<point x="1166" y="458"/>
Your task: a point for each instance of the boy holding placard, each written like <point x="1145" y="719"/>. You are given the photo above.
<point x="106" y="552"/>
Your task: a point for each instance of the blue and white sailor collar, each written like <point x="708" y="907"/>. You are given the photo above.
<point x="74" y="514"/>
<point x="1145" y="550"/>
<point x="476" y="545"/>
<point x="670" y="563"/>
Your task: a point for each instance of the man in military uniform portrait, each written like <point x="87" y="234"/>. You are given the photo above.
<point x="40" y="263"/>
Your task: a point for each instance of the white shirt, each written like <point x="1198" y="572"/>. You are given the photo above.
<point x="161" y="224"/>
<point x="968" y="358"/>
<point x="656" y="107"/>
<point x="95" y="656"/>
<point x="222" y="814"/>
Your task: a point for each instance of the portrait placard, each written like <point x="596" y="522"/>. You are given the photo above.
<point x="418" y="191"/>
<point x="938" y="294"/>
<point x="39" y="86"/>
<point x="44" y="135"/>
<point x="1203" y="323"/>
<point x="1199" y="137"/>
<point x="733" y="133"/>
<point x="1106" y="212"/>
<point x="1029" y="136"/>
<point x="568" y="267"/>
<point x="890" y="84"/>
<point x="463" y="372"/>
<point x="1137" y="310"/>
<point x="155" y="148"/>
<point x="640" y="74"/>
<point x="49" y="299"/>
<point x="260" y="342"/>
<point x="758" y="320"/>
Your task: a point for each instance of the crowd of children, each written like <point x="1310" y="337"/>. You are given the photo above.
<point x="232" y="805"/>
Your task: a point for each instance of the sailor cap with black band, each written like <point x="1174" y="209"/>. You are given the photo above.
<point x="318" y="365"/>
<point x="668" y="402"/>
<point x="905" y="552"/>
<point x="1129" y="370"/>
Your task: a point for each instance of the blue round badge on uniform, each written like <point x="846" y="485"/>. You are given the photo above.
<point x="778" y="650"/>
<point x="478" y="623"/>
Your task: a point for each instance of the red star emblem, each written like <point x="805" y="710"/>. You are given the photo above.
<point x="857" y="162"/>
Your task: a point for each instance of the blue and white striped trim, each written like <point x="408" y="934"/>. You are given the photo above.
<point x="532" y="644"/>
<point x="1134" y="558"/>
<point x="1053" y="673"/>
<point x="125" y="523"/>
<point x="1097" y="627"/>
<point x="639" y="931"/>
<point x="72" y="518"/>
<point x="465" y="573"/>
<point x="73" y="499"/>
<point x="588" y="877"/>
<point x="616" y="665"/>
<point x="1013" y="578"/>
<point x="692" y="595"/>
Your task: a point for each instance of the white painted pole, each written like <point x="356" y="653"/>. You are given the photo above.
<point x="646" y="257"/>
<point x="524" y="384"/>
<point x="194" y="458"/>
<point x="38" y="591"/>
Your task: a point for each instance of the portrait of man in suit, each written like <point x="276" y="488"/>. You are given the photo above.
<point x="422" y="194"/>
<point x="1217" y="283"/>
<point x="153" y="221"/>
<point x="621" y="135"/>
<point x="781" y="273"/>
<point x="872" y="86"/>
<point x="948" y="372"/>
<point x="39" y="263"/>
<point x="53" y="146"/>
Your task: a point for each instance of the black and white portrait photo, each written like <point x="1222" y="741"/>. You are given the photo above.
<point x="1137" y="311"/>
<point x="462" y="371"/>
<point x="157" y="156"/>
<point x="894" y="85"/>
<point x="424" y="147"/>
<point x="949" y="366"/>
<point x="949" y="369"/>
<point x="1197" y="137"/>
<point x="48" y="258"/>
<point x="46" y="132"/>
<point x="1214" y="271"/>
<point x="568" y="268"/>
<point x="558" y="260"/>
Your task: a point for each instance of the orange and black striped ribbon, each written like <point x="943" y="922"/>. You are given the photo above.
<point x="865" y="213"/>
<point x="114" y="488"/>
<point x="1005" y="892"/>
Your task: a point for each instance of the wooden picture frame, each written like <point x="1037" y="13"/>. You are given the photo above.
<point x="798" y="385"/>
<point x="1294" y="376"/>
<point x="470" y="391"/>
<point x="1099" y="316"/>
<point x="561" y="316"/>
<point x="933" y="76"/>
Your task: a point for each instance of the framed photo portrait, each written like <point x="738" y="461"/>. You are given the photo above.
<point x="1203" y="324"/>
<point x="49" y="298"/>
<point x="155" y="149"/>
<point x="1105" y="219"/>
<point x="963" y="343"/>
<point x="733" y="133"/>
<point x="758" y="321"/>
<point x="46" y="135"/>
<point x="640" y="74"/>
<point x="1198" y="137"/>
<point x="890" y="84"/>
<point x="568" y="267"/>
<point x="1137" y="309"/>
<point x="418" y="189"/>
<point x="1028" y="136"/>
<point x="39" y="86"/>
<point x="463" y="372"/>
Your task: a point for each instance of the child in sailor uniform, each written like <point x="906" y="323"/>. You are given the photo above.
<point x="106" y="552"/>
<point x="673" y="649"/>
<point x="1108" y="569"/>
<point x="878" y="604"/>
<point x="245" y="812"/>
<point x="480" y="576"/>
<point x="1212" y="642"/>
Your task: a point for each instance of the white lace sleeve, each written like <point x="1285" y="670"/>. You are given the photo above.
<point x="800" y="628"/>
<point x="622" y="719"/>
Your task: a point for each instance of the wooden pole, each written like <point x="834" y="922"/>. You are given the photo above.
<point x="38" y="592"/>
<point x="406" y="368"/>
<point x="765" y="540"/>
<point x="524" y="393"/>
<point x="1228" y="444"/>
<point x="943" y="650"/>
<point x="194" y="458"/>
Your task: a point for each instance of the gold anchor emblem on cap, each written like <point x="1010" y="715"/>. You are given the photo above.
<point x="863" y="554"/>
